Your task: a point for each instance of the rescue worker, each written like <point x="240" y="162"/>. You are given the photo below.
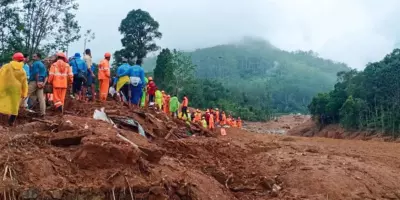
<point x="122" y="87"/>
<point x="144" y="94"/>
<point x="217" y="116"/>
<point x="151" y="90"/>
<point x="204" y="122"/>
<point x="166" y="104"/>
<point x="79" y="69"/>
<point x="28" y="73"/>
<point x="211" y="124"/>
<point x="223" y="120"/>
<point x="234" y="124"/>
<point x="37" y="81"/>
<point x="91" y="78"/>
<point x="174" y="106"/>
<point x="207" y="116"/>
<point x="13" y="87"/>
<point x="239" y="122"/>
<point x="229" y="120"/>
<point x="159" y="99"/>
<point x="185" y="104"/>
<point x="137" y="82"/>
<point x="60" y="76"/>
<point x="197" y="116"/>
<point x="104" y="76"/>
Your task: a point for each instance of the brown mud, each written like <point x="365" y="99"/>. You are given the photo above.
<point x="76" y="157"/>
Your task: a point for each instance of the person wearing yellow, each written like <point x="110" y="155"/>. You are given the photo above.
<point x="204" y="122"/>
<point x="159" y="99"/>
<point x="104" y="76"/>
<point x="13" y="87"/>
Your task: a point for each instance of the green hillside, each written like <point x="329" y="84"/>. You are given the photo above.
<point x="255" y="69"/>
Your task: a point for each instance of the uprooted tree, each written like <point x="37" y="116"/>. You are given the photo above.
<point x="139" y="31"/>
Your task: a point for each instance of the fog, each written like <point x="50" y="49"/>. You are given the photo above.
<point x="352" y="31"/>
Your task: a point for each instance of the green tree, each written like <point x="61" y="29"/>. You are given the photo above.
<point x="42" y="19"/>
<point x="182" y="73"/>
<point x="88" y="37"/>
<point x="163" y="72"/>
<point x="139" y="31"/>
<point x="10" y="29"/>
<point x="68" y="32"/>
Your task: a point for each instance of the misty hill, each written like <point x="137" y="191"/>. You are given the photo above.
<point x="255" y="69"/>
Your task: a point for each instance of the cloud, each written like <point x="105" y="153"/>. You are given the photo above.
<point x="352" y="31"/>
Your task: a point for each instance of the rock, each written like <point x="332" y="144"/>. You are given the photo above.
<point x="267" y="183"/>
<point x="56" y="194"/>
<point x="306" y="168"/>
<point x="31" y="193"/>
<point x="276" y="188"/>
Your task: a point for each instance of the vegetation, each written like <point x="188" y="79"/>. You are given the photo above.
<point x="139" y="31"/>
<point x="366" y="100"/>
<point x="260" y="78"/>
<point x="33" y="26"/>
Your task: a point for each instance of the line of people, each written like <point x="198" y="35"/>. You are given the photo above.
<point x="22" y="85"/>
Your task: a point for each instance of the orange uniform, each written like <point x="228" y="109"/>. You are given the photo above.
<point x="223" y="122"/>
<point x="104" y="78"/>
<point x="234" y="124"/>
<point x="239" y="123"/>
<point x="217" y="116"/>
<point x="60" y="76"/>
<point x="166" y="104"/>
<point x="211" y="124"/>
<point x="197" y="117"/>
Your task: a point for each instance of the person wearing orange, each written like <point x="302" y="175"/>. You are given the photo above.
<point x="211" y="124"/>
<point x="104" y="76"/>
<point x="229" y="120"/>
<point x="185" y="104"/>
<point x="60" y="76"/>
<point x="217" y="115"/>
<point x="223" y="121"/>
<point x="197" y="116"/>
<point x="234" y="124"/>
<point x="166" y="104"/>
<point x="239" y="123"/>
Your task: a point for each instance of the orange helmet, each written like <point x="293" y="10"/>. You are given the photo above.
<point x="107" y="55"/>
<point x="18" y="57"/>
<point x="150" y="78"/>
<point x="61" y="54"/>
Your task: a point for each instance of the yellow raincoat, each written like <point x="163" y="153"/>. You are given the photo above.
<point x="13" y="87"/>
<point x="159" y="99"/>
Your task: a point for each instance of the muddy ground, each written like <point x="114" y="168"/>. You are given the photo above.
<point x="77" y="157"/>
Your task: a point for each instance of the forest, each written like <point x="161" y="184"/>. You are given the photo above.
<point x="364" y="100"/>
<point x="254" y="79"/>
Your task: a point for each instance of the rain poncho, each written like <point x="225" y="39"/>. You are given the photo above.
<point x="159" y="99"/>
<point x="121" y="82"/>
<point x="173" y="104"/>
<point x="144" y="94"/>
<point x="13" y="86"/>
<point x="204" y="123"/>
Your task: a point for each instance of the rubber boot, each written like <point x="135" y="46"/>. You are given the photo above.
<point x="11" y="120"/>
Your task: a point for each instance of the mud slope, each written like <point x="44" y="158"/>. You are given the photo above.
<point x="76" y="157"/>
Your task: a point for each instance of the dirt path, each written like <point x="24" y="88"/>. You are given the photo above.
<point x="321" y="168"/>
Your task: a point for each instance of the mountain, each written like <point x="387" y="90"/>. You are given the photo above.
<point x="255" y="69"/>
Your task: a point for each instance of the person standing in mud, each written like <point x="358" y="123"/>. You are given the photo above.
<point x="60" y="76"/>
<point x="185" y="104"/>
<point x="13" y="87"/>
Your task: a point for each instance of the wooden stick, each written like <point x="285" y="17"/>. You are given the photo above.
<point x="130" y="189"/>
<point x="130" y="142"/>
<point x="5" y="173"/>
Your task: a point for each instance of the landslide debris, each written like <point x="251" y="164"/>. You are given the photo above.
<point x="77" y="157"/>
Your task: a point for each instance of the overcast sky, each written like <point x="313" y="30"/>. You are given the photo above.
<point x="352" y="31"/>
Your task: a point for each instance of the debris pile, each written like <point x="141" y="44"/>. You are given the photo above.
<point x="129" y="155"/>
